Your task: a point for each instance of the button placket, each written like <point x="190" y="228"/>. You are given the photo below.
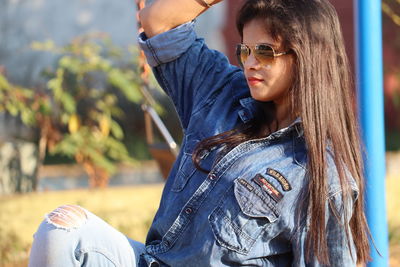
<point x="188" y="210"/>
<point x="212" y="177"/>
<point x="200" y="195"/>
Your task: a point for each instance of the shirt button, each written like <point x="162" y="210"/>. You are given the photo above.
<point x="188" y="210"/>
<point x="212" y="176"/>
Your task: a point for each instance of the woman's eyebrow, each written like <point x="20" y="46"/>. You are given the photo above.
<point x="262" y="43"/>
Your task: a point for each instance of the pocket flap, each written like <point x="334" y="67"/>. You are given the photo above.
<point x="253" y="202"/>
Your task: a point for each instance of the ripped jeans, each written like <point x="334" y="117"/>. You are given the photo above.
<point x="73" y="236"/>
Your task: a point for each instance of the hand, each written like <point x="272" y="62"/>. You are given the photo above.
<point x="163" y="15"/>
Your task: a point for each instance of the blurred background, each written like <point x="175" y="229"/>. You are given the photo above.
<point x="73" y="127"/>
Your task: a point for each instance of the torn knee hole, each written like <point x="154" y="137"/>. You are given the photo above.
<point x="67" y="216"/>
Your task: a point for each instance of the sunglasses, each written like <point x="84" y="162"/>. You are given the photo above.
<point x="262" y="52"/>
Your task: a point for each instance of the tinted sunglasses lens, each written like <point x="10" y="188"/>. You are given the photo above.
<point x="264" y="53"/>
<point x="238" y="54"/>
<point x="242" y="52"/>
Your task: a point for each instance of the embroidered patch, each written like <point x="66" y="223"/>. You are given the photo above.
<point x="280" y="178"/>
<point x="268" y="187"/>
<point x="246" y="184"/>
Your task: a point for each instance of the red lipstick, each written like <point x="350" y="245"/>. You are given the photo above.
<point x="254" y="81"/>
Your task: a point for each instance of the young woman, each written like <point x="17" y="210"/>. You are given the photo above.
<point x="270" y="170"/>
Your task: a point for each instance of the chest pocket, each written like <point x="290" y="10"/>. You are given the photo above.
<point x="242" y="215"/>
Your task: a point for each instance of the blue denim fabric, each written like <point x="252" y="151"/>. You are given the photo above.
<point x="92" y="243"/>
<point x="245" y="211"/>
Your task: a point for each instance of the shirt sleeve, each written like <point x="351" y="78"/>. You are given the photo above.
<point x="190" y="73"/>
<point x="341" y="250"/>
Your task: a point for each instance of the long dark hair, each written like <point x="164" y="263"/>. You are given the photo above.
<point x="324" y="94"/>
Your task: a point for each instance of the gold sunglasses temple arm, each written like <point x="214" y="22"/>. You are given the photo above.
<point x="281" y="54"/>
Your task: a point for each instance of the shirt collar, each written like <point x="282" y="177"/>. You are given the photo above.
<point x="249" y="107"/>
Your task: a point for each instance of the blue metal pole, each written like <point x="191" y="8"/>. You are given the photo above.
<point x="368" y="28"/>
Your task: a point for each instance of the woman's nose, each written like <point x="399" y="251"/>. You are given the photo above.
<point x="251" y="62"/>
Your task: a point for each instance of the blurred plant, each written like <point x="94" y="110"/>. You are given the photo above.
<point x="396" y="92"/>
<point x="78" y="115"/>
<point x="388" y="10"/>
<point x="392" y="108"/>
<point x="33" y="107"/>
<point x="391" y="8"/>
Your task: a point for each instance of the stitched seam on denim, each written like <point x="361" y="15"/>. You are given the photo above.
<point x="170" y="93"/>
<point x="219" y="237"/>
<point x="253" y="144"/>
<point x="220" y="168"/>
<point x="177" y="228"/>
<point x="158" y="60"/>
<point x="171" y="238"/>
<point x="294" y="152"/>
<point x="228" y="159"/>
<point x="265" y="200"/>
<point x="269" y="224"/>
<point x="164" y="80"/>
<point x="251" y="240"/>
<point x="195" y="203"/>
<point x="207" y="103"/>
<point x="236" y="97"/>
<point x="100" y="251"/>
<point x="178" y="184"/>
<point x="153" y="52"/>
<point x="235" y="228"/>
<point x="180" y="175"/>
<point x="201" y="104"/>
<point x="178" y="106"/>
<point x="207" y="186"/>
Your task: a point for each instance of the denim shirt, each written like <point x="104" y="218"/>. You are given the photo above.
<point x="246" y="210"/>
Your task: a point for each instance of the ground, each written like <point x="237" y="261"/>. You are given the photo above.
<point x="129" y="209"/>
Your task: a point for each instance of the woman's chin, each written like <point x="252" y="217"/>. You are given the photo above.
<point x="255" y="94"/>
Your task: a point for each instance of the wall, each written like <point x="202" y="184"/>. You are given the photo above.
<point x="22" y="22"/>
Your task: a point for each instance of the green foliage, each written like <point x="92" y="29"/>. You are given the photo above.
<point x="23" y="102"/>
<point x="84" y="87"/>
<point x="388" y="8"/>
<point x="78" y="115"/>
<point x="392" y="140"/>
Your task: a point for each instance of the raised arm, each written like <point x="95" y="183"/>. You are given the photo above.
<point x="189" y="72"/>
<point x="163" y="15"/>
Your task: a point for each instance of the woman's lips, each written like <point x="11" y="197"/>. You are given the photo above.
<point x="254" y="81"/>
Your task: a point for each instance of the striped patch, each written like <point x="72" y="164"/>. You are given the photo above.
<point x="268" y="187"/>
<point x="280" y="178"/>
<point x="246" y="184"/>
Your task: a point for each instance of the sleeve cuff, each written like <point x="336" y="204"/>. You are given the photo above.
<point x="169" y="45"/>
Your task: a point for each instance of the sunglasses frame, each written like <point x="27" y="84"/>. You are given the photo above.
<point x="251" y="48"/>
